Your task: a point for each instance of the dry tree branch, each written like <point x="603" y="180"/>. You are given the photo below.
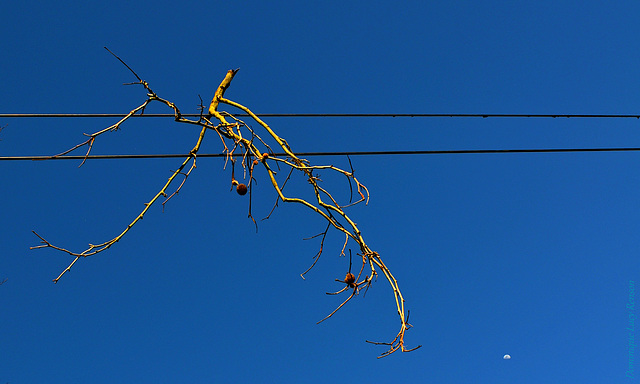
<point x="326" y="210"/>
<point x="229" y="128"/>
<point x="317" y="256"/>
<point x="97" y="248"/>
<point x="350" y="281"/>
<point x="186" y="176"/>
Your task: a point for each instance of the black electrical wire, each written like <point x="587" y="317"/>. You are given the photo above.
<point x="483" y="115"/>
<point x="345" y="153"/>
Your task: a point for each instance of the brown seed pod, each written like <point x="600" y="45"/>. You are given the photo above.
<point x="350" y="278"/>
<point x="241" y="189"/>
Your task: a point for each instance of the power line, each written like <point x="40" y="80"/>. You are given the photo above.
<point x="302" y="115"/>
<point x="346" y="153"/>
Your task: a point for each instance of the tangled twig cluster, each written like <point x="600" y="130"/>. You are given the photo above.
<point x="241" y="142"/>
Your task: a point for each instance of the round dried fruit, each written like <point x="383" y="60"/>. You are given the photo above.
<point x="241" y="189"/>
<point x="350" y="279"/>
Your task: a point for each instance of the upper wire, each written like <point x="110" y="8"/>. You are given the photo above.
<point x="481" y="115"/>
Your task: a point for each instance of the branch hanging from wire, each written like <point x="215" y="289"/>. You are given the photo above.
<point x="243" y="146"/>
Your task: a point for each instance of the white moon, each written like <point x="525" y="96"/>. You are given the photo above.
<point x="506" y="357"/>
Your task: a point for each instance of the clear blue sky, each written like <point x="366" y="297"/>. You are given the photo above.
<point x="529" y="255"/>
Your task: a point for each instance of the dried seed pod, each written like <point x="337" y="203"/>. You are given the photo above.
<point x="241" y="189"/>
<point x="350" y="278"/>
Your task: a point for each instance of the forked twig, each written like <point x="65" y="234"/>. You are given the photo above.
<point x="351" y="282"/>
<point x="186" y="176"/>
<point x="317" y="256"/>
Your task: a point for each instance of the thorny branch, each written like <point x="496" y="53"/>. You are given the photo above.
<point x="253" y="151"/>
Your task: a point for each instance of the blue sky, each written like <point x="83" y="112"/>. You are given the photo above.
<point x="530" y="255"/>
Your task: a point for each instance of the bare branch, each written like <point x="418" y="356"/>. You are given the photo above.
<point x="254" y="149"/>
<point x="317" y="256"/>
<point x="186" y="175"/>
<point x="125" y="64"/>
